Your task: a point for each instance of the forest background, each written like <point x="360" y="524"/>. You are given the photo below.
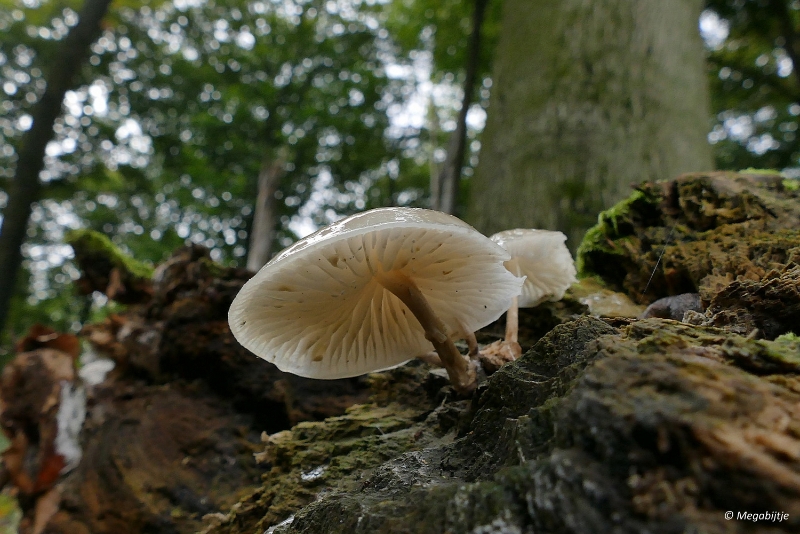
<point x="183" y="112"/>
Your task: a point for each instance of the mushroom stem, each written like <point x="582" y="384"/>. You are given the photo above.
<point x="512" y="321"/>
<point x="495" y="355"/>
<point x="472" y="343"/>
<point x="431" y="358"/>
<point x="462" y="374"/>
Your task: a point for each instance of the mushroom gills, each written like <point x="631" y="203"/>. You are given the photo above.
<point x="460" y="370"/>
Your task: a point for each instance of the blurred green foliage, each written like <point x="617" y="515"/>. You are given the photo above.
<point x="755" y="88"/>
<point x="181" y="104"/>
<point x="10" y="514"/>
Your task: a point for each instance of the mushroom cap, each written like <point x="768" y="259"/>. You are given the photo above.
<point x="316" y="309"/>
<point x="543" y="257"/>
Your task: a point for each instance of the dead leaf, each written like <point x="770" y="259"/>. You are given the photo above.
<point x="49" y="471"/>
<point x="40" y="336"/>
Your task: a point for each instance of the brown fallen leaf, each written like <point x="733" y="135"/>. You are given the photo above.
<point x="49" y="470"/>
<point x="40" y="336"/>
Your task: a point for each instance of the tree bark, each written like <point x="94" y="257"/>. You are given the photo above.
<point x="433" y="166"/>
<point x="449" y="179"/>
<point x="262" y="234"/>
<point x="25" y="187"/>
<point x="588" y="98"/>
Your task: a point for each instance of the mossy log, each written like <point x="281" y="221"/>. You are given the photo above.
<point x="654" y="427"/>
<point x="695" y="234"/>
<point x="105" y="268"/>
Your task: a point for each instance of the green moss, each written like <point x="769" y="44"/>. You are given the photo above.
<point x="593" y="241"/>
<point x="763" y="357"/>
<point x="613" y="224"/>
<point x="551" y="440"/>
<point x="661" y="341"/>
<point x="214" y="269"/>
<point x="791" y="184"/>
<point x="93" y="242"/>
<point x="315" y="457"/>
<point x="769" y="172"/>
<point x="703" y="224"/>
<point x="662" y="336"/>
<point x="791" y="337"/>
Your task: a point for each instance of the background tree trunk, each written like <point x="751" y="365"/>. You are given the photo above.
<point x="262" y="234"/>
<point x="449" y="179"/>
<point x="433" y="165"/>
<point x="25" y="187"/>
<point x="588" y="98"/>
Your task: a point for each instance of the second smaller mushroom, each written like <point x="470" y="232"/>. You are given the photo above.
<point x="544" y="259"/>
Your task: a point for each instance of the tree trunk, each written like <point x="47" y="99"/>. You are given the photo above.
<point x="450" y="177"/>
<point x="433" y="166"/>
<point x="25" y="187"/>
<point x="588" y="98"/>
<point x="262" y="233"/>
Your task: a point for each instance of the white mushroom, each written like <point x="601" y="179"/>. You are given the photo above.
<point x="544" y="259"/>
<point x="372" y="291"/>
